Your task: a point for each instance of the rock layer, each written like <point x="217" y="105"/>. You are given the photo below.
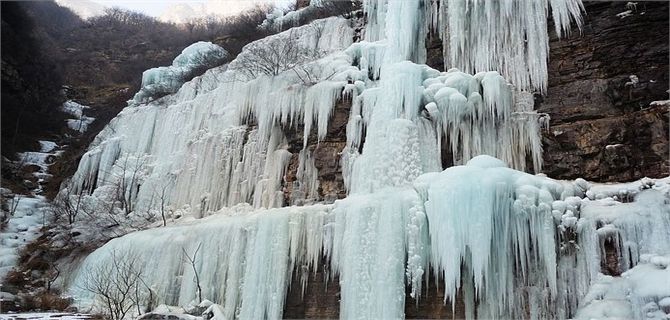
<point x="601" y="84"/>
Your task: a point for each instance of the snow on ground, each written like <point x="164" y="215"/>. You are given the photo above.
<point x="642" y="292"/>
<point x="47" y="146"/>
<point x="22" y="228"/>
<point x="46" y="315"/>
<point x="42" y="159"/>
<point x="26" y="212"/>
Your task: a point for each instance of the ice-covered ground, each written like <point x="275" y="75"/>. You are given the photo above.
<point x="26" y="211"/>
<point x="22" y="228"/>
<point x="27" y="214"/>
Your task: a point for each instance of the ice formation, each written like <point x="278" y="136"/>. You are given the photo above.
<point x="166" y="80"/>
<point x="218" y="141"/>
<point x="80" y="122"/>
<point x="520" y="53"/>
<point x="509" y="243"/>
<point x="21" y="228"/>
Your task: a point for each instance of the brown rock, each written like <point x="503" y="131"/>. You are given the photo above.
<point x="603" y="128"/>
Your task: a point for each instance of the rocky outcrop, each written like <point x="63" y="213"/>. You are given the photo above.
<point x="326" y="155"/>
<point x="601" y="84"/>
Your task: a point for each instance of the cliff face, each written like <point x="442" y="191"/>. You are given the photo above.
<point x="602" y="128"/>
<point x="601" y="84"/>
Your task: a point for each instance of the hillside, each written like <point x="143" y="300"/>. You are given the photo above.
<point x="55" y="56"/>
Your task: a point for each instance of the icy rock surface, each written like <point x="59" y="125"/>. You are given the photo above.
<point x="165" y="80"/>
<point x="80" y="121"/>
<point x="509" y="243"/>
<point x="200" y="146"/>
<point x="487" y="239"/>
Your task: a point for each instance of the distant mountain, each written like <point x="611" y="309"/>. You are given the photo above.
<point x="183" y="13"/>
<point x="187" y="12"/>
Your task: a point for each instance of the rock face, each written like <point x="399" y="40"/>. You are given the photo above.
<point x="601" y="84"/>
<point x="326" y="155"/>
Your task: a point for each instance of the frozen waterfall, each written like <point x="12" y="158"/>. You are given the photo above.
<point x="511" y="244"/>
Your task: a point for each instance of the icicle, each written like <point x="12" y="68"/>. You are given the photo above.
<point x="199" y="141"/>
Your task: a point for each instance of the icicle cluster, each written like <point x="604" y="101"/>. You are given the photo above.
<point x="478" y="35"/>
<point x="218" y="140"/>
<point x="503" y="240"/>
<point x="245" y="258"/>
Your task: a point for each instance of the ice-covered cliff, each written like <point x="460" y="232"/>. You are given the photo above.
<point x="507" y="243"/>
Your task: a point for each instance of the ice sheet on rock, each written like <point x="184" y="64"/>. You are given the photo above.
<point x="501" y="206"/>
<point x="638" y="224"/>
<point x="511" y="244"/>
<point x="80" y="121"/>
<point x="278" y="20"/>
<point x="502" y="233"/>
<point x="21" y="229"/>
<point x="245" y="263"/>
<point x="80" y="125"/>
<point x="74" y="109"/>
<point x="196" y="145"/>
<point x="165" y="80"/>
<point x="47" y="146"/>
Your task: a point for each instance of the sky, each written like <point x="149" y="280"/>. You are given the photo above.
<point x="151" y="7"/>
<point x="157" y="7"/>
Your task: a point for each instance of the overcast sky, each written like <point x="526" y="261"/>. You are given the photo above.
<point x="150" y="7"/>
<point x="156" y="7"/>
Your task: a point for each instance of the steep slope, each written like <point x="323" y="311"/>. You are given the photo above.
<point x="31" y="84"/>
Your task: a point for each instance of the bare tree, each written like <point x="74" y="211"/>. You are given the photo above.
<point x="191" y="261"/>
<point x="12" y="206"/>
<point x="283" y="54"/>
<point x="162" y="192"/>
<point x="66" y="205"/>
<point x="125" y="181"/>
<point x="118" y="286"/>
<point x="52" y="275"/>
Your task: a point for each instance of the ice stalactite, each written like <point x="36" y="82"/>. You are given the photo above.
<point x="218" y="141"/>
<point x="510" y="37"/>
<point x="367" y="250"/>
<point x="306" y="187"/>
<point x="245" y="262"/>
<point x="504" y="207"/>
<point x="520" y="52"/>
